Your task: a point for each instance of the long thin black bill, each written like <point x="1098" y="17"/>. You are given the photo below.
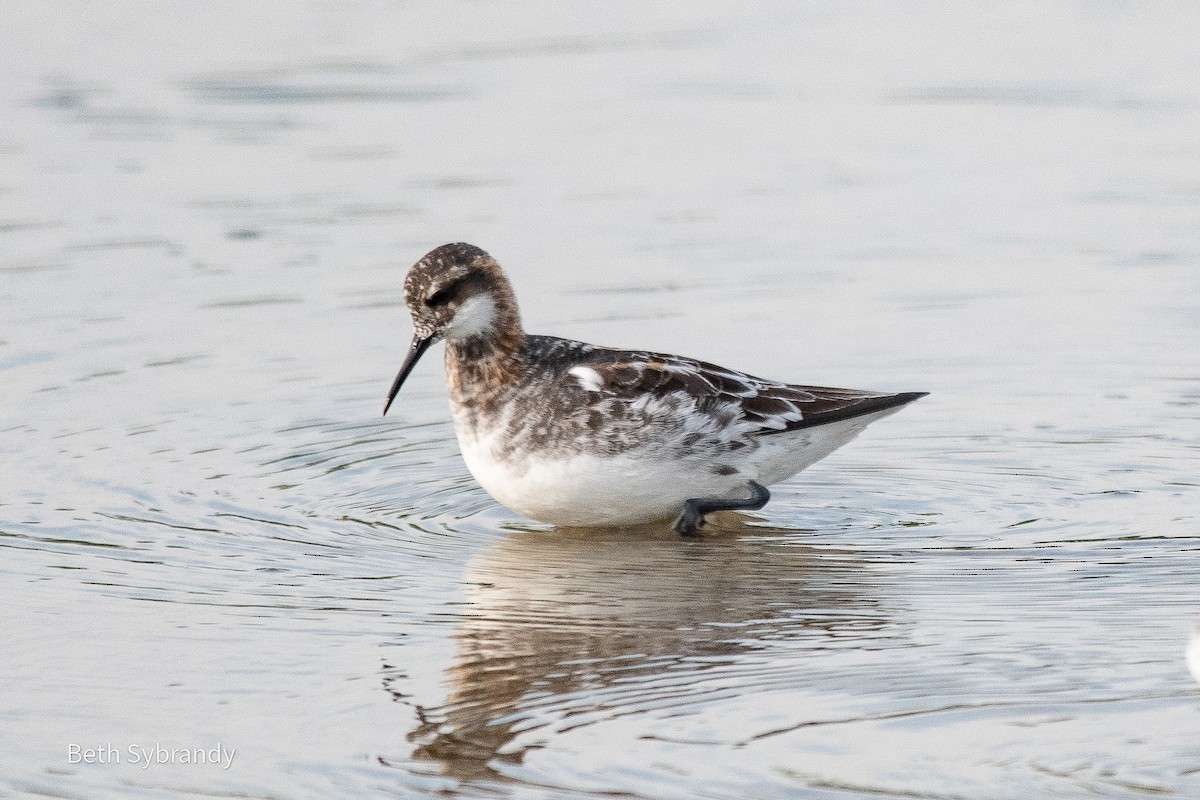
<point x="415" y="351"/>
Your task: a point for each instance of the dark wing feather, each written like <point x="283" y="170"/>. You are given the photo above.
<point x="767" y="406"/>
<point x="832" y="405"/>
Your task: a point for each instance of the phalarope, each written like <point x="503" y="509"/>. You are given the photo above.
<point x="578" y="435"/>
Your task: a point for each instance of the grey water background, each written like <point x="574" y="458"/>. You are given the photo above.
<point x="210" y="538"/>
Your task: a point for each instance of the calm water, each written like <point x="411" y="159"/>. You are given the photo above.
<point x="212" y="541"/>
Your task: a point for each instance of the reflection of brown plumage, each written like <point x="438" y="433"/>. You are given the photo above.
<point x="578" y="626"/>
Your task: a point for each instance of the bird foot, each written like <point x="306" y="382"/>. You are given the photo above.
<point x="691" y="517"/>
<point x="689" y="521"/>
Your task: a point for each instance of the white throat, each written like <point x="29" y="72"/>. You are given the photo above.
<point x="475" y="316"/>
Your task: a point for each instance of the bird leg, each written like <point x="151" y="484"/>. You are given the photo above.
<point x="692" y="515"/>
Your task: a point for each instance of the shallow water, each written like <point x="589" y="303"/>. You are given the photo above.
<point x="211" y="539"/>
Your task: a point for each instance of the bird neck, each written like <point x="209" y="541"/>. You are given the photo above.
<point x="483" y="367"/>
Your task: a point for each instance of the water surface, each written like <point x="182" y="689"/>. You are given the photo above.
<point x="209" y="538"/>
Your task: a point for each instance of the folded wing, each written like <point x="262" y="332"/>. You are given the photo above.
<point x="767" y="407"/>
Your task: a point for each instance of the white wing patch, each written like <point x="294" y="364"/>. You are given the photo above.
<point x="588" y="378"/>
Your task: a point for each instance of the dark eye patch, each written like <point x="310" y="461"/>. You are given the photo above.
<point x="456" y="287"/>
<point x="443" y="295"/>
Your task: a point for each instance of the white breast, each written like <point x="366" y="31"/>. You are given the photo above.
<point x="588" y="490"/>
<point x="640" y="485"/>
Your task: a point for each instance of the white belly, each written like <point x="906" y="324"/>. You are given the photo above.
<point x="587" y="491"/>
<point x="640" y="486"/>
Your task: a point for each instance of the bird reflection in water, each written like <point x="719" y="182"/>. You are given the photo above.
<point x="571" y="627"/>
